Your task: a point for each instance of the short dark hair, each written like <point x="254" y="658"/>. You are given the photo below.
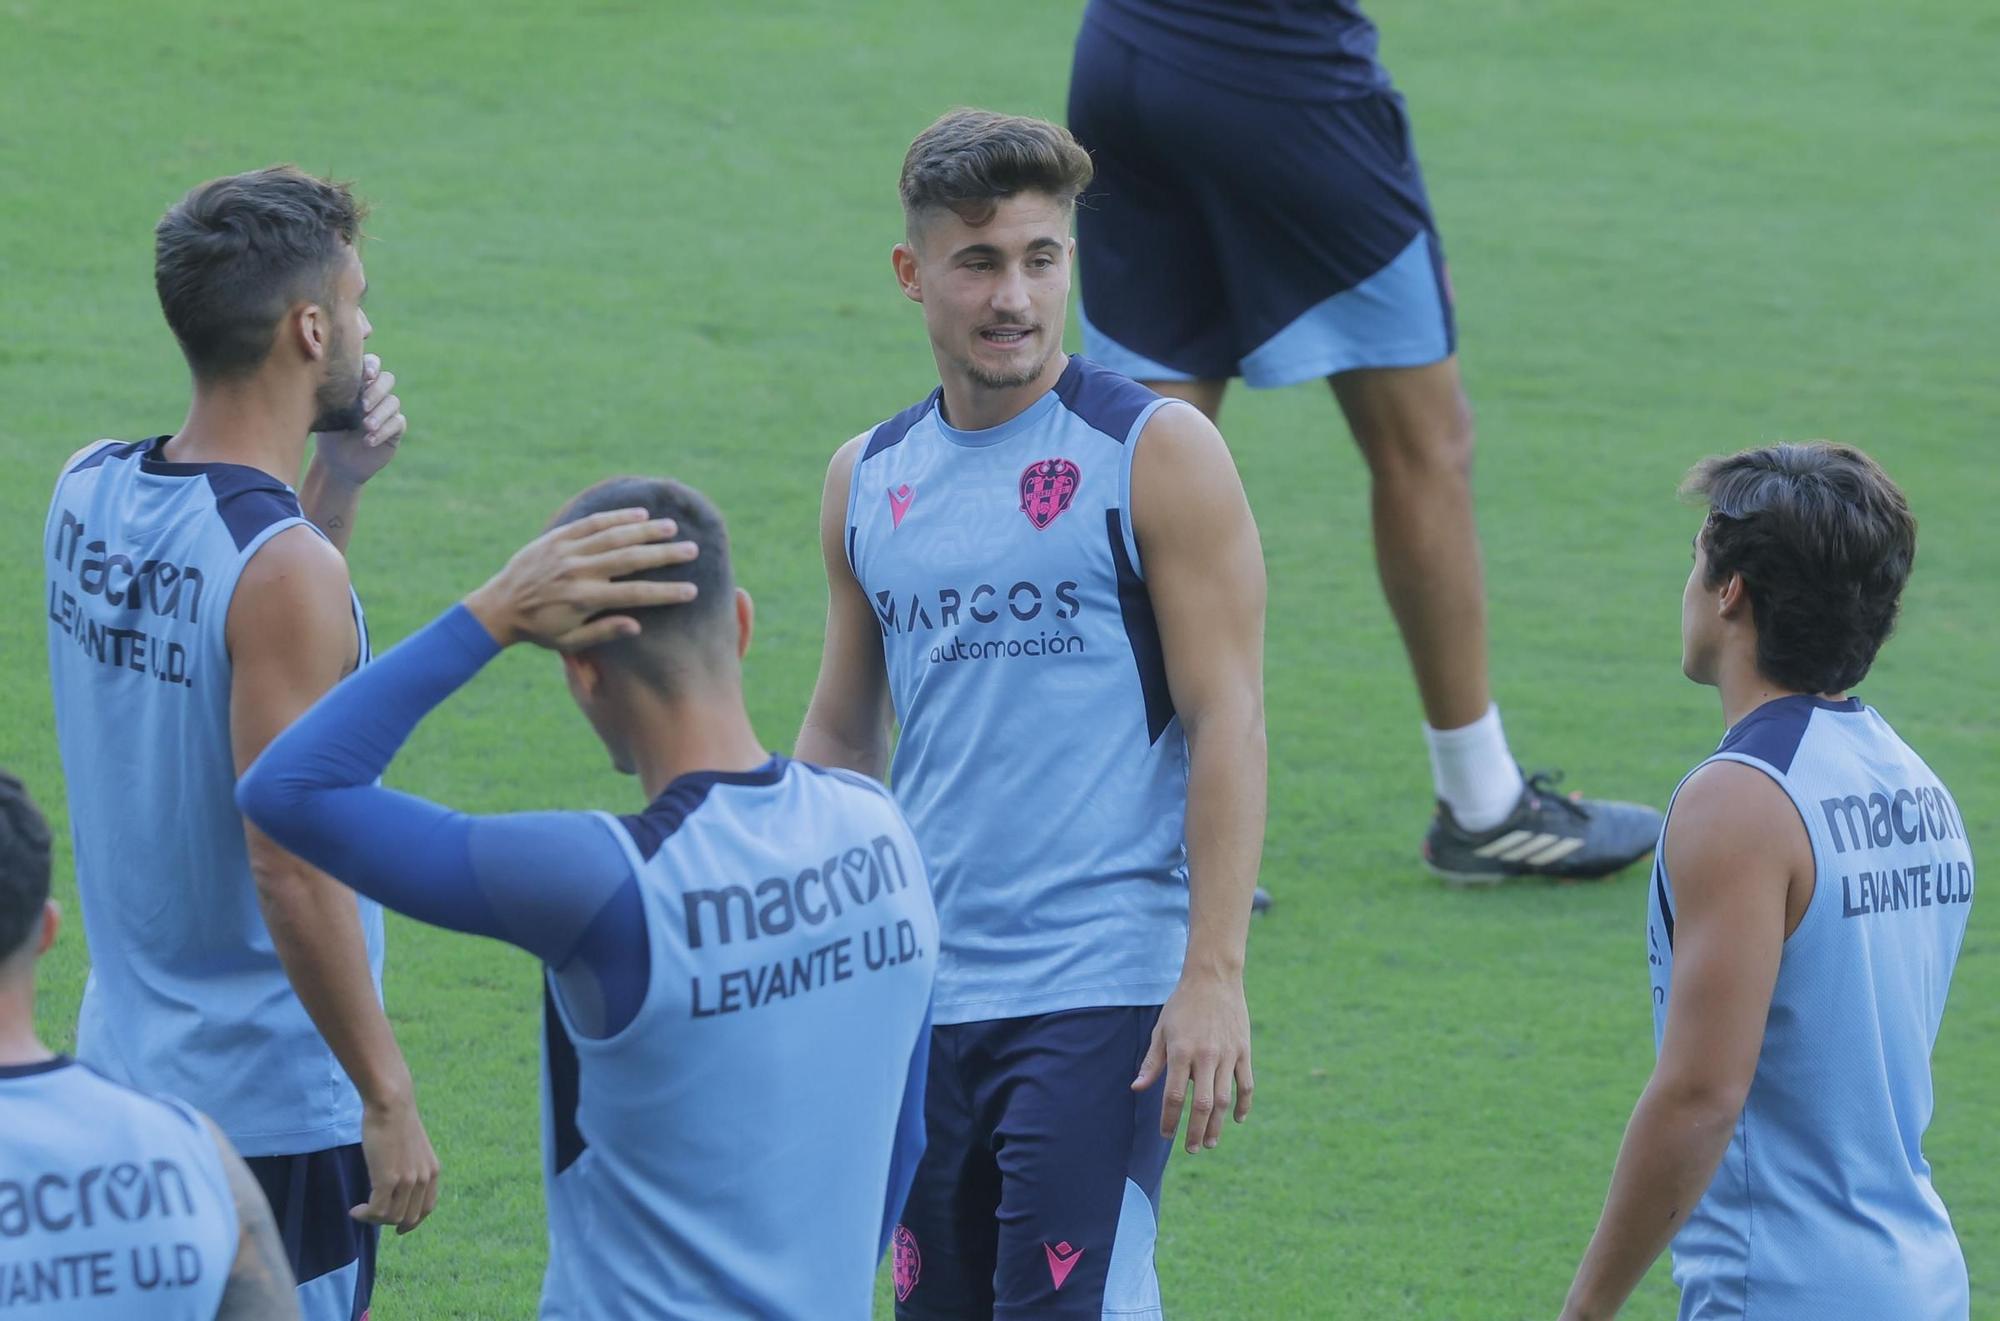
<point x="969" y="160"/>
<point x="231" y="257"/>
<point x="673" y="639"/>
<point x="1824" y="542"/>
<point x="24" y="865"/>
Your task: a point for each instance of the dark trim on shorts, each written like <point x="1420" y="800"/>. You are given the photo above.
<point x="311" y="1196"/>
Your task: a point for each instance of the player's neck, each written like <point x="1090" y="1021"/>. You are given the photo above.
<point x="18" y="1042"/>
<point x="1744" y="689"/>
<point x="705" y="731"/>
<point x="250" y="422"/>
<point x="970" y="406"/>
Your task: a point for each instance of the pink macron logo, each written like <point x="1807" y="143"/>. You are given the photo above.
<point x="1062" y="1260"/>
<point x="900" y="500"/>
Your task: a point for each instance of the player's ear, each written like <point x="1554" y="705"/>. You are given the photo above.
<point x="51" y="923"/>
<point x="904" y="258"/>
<point x="584" y="675"/>
<point x="1734" y="599"/>
<point x="746" y="621"/>
<point x="311" y="326"/>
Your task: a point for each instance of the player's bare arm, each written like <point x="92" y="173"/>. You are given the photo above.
<point x="343" y="461"/>
<point x="1204" y="568"/>
<point x="291" y="637"/>
<point x="1742" y="870"/>
<point x="849" y="720"/>
<point x="260" y="1286"/>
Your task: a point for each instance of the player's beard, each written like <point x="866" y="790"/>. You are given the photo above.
<point x="337" y="402"/>
<point x="1008" y="380"/>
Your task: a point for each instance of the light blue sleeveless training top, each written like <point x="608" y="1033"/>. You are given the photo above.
<point x="113" y="1205"/>
<point x="732" y="1150"/>
<point x="1040" y="760"/>
<point x="186" y="996"/>
<point x="1822" y="1209"/>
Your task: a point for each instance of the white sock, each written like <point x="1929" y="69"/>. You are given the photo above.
<point x="1474" y="773"/>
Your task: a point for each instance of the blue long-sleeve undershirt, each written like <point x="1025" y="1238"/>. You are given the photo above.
<point x="557" y="884"/>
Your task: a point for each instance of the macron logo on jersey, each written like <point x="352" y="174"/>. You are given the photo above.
<point x="53" y="1202"/>
<point x="813" y="897"/>
<point x="1906" y="816"/>
<point x="900" y="500"/>
<point x="777" y="905"/>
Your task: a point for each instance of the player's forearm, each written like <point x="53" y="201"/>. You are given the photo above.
<point x="1671" y="1149"/>
<point x="316" y="931"/>
<point x="1225" y="831"/>
<point x="331" y="502"/>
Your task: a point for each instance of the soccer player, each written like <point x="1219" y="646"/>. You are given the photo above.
<point x="1258" y="212"/>
<point x="1049" y="577"/>
<point x="1806" y="910"/>
<point x="738" y="977"/>
<point x="113" y="1203"/>
<point x="196" y="605"/>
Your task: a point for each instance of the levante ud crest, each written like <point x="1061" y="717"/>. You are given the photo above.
<point x="908" y="1265"/>
<point x="1047" y="488"/>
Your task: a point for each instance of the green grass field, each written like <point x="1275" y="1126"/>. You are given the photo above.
<point x="621" y="236"/>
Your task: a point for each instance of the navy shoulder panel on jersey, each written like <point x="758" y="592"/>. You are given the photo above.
<point x="892" y="432"/>
<point x="1105" y="400"/>
<point x="247" y="499"/>
<point x="1772" y="733"/>
<point x="39" y="1066"/>
<point x="248" y="508"/>
<point x="663" y="816"/>
<point x="111" y="450"/>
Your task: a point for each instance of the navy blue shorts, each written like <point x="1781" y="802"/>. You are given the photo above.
<point x="1039" y="1190"/>
<point x="332" y="1254"/>
<point x="1231" y="234"/>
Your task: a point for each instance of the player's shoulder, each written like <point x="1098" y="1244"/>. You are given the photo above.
<point x="296" y="558"/>
<point x="1108" y="402"/>
<point x="1732" y="809"/>
<point x="840" y="468"/>
<point x="890" y="432"/>
<point x="293" y="591"/>
<point x="94" y="455"/>
<point x="252" y="503"/>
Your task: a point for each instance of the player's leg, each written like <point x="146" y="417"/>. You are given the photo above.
<point x="332" y="1254"/>
<point x="1080" y="1159"/>
<point x="1334" y="269"/>
<point x="1414" y="429"/>
<point x="942" y="1252"/>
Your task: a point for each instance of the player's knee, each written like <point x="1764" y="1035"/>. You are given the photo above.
<point x="1426" y="446"/>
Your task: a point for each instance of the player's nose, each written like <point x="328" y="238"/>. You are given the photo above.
<point x="1010" y="295"/>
